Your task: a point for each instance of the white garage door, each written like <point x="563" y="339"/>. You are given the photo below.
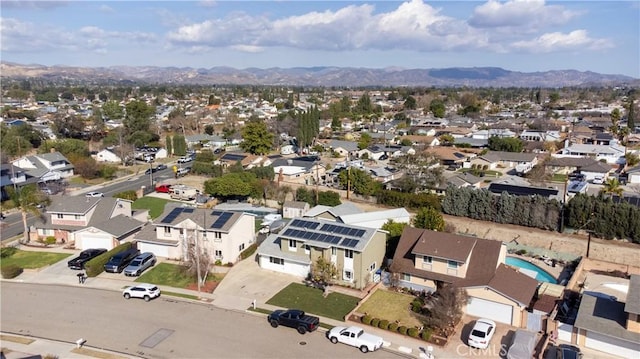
<point x="157" y="250"/>
<point x="491" y="310"/>
<point x="616" y="346"/>
<point x="88" y="240"/>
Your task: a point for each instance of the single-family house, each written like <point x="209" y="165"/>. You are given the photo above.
<point x="45" y="167"/>
<point x="333" y="213"/>
<point x="494" y="132"/>
<point x="356" y="252"/>
<point x="611" y="325"/>
<point x="107" y="156"/>
<point x="342" y="148"/>
<point x="612" y="154"/>
<point x="376" y="219"/>
<point x="421" y="141"/>
<point x="596" y="169"/>
<point x="519" y="161"/>
<point x="298" y="170"/>
<point x="294" y="209"/>
<point x="425" y="260"/>
<point x="222" y="235"/>
<point x="89" y="222"/>
<point x="633" y="175"/>
<point x="10" y="176"/>
<point x="452" y="157"/>
<point x="384" y="174"/>
<point x="540" y="136"/>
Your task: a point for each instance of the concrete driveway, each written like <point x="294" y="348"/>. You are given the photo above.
<point x="246" y="282"/>
<point x="457" y="347"/>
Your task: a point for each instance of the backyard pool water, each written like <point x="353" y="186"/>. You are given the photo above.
<point x="541" y="274"/>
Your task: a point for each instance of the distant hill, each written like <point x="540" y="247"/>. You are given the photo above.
<point x="316" y="76"/>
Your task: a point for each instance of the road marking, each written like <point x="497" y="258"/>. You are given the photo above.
<point x="156" y="338"/>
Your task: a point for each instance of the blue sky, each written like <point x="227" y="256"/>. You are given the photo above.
<point x="517" y="35"/>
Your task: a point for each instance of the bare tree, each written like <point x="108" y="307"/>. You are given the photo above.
<point x="197" y="257"/>
<point x="445" y="309"/>
<point x="323" y="272"/>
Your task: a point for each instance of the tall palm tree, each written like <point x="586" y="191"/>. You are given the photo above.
<point x="612" y="186"/>
<point x="28" y="199"/>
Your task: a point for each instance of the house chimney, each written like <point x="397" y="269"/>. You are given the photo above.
<point x="52" y="150"/>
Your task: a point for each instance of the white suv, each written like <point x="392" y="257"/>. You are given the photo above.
<point x="144" y="290"/>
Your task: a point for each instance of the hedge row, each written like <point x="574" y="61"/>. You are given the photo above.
<point x="10" y="271"/>
<point x="396" y="328"/>
<point x="96" y="265"/>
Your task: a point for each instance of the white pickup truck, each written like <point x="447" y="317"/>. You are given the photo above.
<point x="355" y="336"/>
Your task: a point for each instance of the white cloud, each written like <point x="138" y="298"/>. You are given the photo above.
<point x="556" y="42"/>
<point x="106" y="9"/>
<point x="528" y="15"/>
<point x="38" y="5"/>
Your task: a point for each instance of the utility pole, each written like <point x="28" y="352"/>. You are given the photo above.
<point x="195" y="234"/>
<point x="151" y="173"/>
<point x="317" y="182"/>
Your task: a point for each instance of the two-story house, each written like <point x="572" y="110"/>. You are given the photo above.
<point x="356" y="252"/>
<point x="10" y="176"/>
<point x="89" y="222"/>
<point x="46" y="167"/>
<point x="425" y="260"/>
<point x="223" y="235"/>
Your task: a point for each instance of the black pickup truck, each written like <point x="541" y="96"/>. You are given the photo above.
<point x="84" y="257"/>
<point x="294" y="318"/>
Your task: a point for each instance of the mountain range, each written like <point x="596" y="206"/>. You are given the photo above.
<point x="315" y="76"/>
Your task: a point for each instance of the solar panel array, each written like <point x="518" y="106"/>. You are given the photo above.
<point x="334" y="234"/>
<point x="172" y="215"/>
<point x="233" y="157"/>
<point x="345" y="231"/>
<point x="222" y="220"/>
<point x="304" y="224"/>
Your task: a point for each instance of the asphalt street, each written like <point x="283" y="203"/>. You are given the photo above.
<point x="162" y="328"/>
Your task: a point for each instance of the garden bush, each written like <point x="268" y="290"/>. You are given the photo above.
<point x="413" y="332"/>
<point x="50" y="240"/>
<point x="426" y="334"/>
<point x="249" y="251"/>
<point x="521" y="252"/>
<point x="384" y="324"/>
<point x="393" y="327"/>
<point x="375" y="321"/>
<point x="96" y="265"/>
<point x="11" y="271"/>
<point x="366" y="319"/>
<point x="402" y="330"/>
<point x="131" y="195"/>
<point x="7" y="252"/>
<point x="416" y="305"/>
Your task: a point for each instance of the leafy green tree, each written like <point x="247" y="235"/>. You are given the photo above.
<point x="257" y="139"/>
<point x="359" y="181"/>
<point x="509" y="144"/>
<point x="429" y="218"/>
<point x="365" y="141"/>
<point x="446" y="139"/>
<point x="329" y="198"/>
<point x="393" y="238"/>
<point x="231" y="185"/>
<point x="112" y="110"/>
<point x="209" y="129"/>
<point x="26" y="199"/>
<point x="410" y="103"/>
<point x="612" y="186"/>
<point x="47" y="96"/>
<point x="336" y="124"/>
<point x="323" y="272"/>
<point x="138" y="116"/>
<point x="18" y="140"/>
<point x="179" y="145"/>
<point x="363" y="106"/>
<point x="168" y="143"/>
<point x="632" y="159"/>
<point x="437" y="108"/>
<point x="631" y="113"/>
<point x="69" y="147"/>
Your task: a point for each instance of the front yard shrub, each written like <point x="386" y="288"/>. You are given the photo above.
<point x="426" y="334"/>
<point x="10" y="271"/>
<point x="416" y="305"/>
<point x="393" y="327"/>
<point x="413" y="332"/>
<point x="249" y="251"/>
<point x="384" y="324"/>
<point x="131" y="195"/>
<point x="375" y="322"/>
<point x="521" y="252"/>
<point x="7" y="252"/>
<point x="402" y="330"/>
<point x="50" y="240"/>
<point x="366" y="319"/>
<point x="96" y="265"/>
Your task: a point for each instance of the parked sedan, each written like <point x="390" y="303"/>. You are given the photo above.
<point x="161" y="167"/>
<point x="143" y="290"/>
<point x="94" y="194"/>
<point x="482" y="333"/>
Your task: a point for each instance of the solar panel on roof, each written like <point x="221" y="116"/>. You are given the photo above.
<point x="289" y="232"/>
<point x="296" y="223"/>
<point x="314" y="236"/>
<point x="233" y="157"/>
<point x="222" y="220"/>
<point x="325" y="227"/>
<point x="349" y="243"/>
<point x="216" y="213"/>
<point x="335" y="239"/>
<point x="172" y="215"/>
<point x="352" y="232"/>
<point x="360" y="233"/>
<point x="187" y="210"/>
<point x="307" y="235"/>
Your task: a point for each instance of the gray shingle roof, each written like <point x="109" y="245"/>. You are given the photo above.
<point x="604" y="316"/>
<point x="119" y="225"/>
<point x="73" y="205"/>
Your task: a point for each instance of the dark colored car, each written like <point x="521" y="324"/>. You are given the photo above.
<point x="294" y="318"/>
<point x="120" y="260"/>
<point x="84" y="257"/>
<point x="161" y="167"/>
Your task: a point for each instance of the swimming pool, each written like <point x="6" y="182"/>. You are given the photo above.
<point x="541" y="274"/>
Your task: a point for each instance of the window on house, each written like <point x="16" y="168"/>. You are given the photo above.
<point x="334" y="251"/>
<point x="274" y="260"/>
<point x="427" y="259"/>
<point x="348" y="253"/>
<point x="218" y="253"/>
<point x="452" y="264"/>
<point x="372" y="266"/>
<point x="293" y="244"/>
<point x="307" y="249"/>
<point x="167" y="230"/>
<point x="241" y="247"/>
<point x="406" y="277"/>
<point x="60" y="215"/>
<point x="217" y="235"/>
<point x="78" y="217"/>
<point x="348" y="275"/>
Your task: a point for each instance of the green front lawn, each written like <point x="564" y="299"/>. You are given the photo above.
<point x="32" y="259"/>
<point x="391" y="306"/>
<point x="155" y="205"/>
<point x="299" y="296"/>
<point x="172" y="275"/>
